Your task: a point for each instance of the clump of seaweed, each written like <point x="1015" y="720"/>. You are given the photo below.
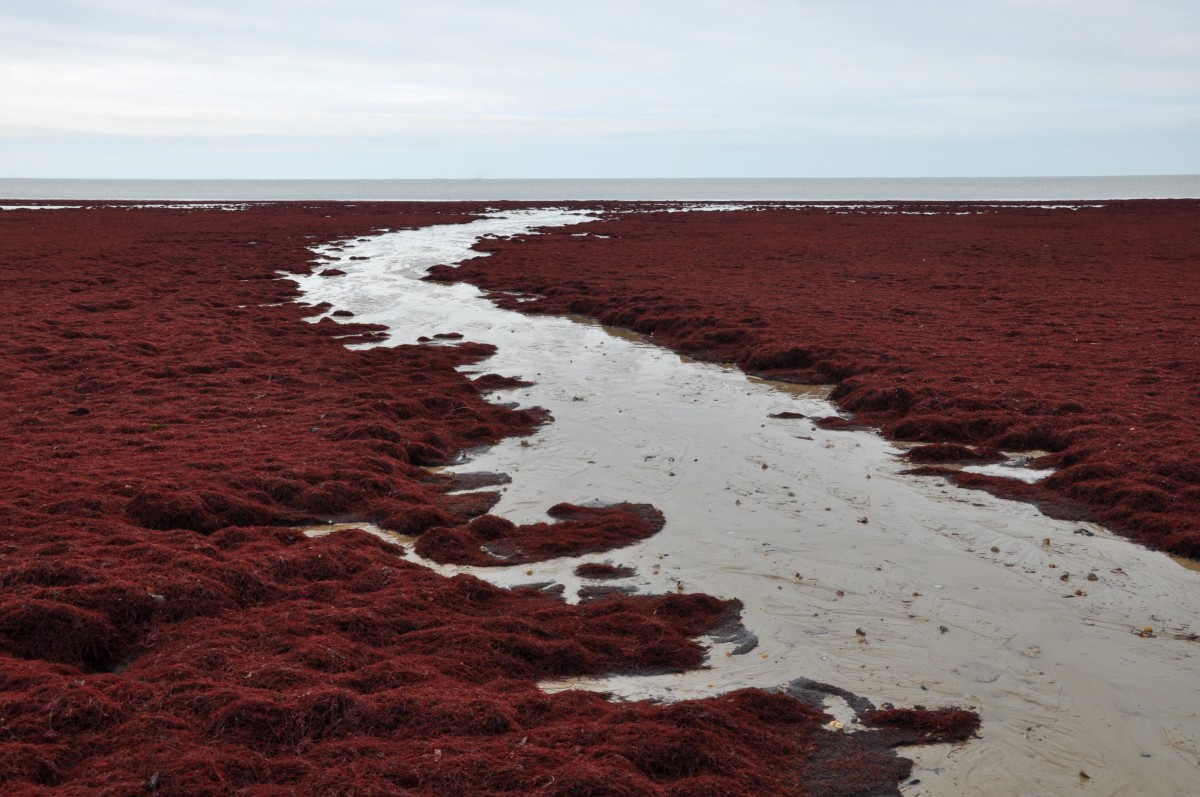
<point x="493" y="541"/>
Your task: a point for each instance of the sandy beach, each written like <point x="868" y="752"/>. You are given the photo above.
<point x="262" y="537"/>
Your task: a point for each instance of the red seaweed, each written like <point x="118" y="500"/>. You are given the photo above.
<point x="951" y="452"/>
<point x="494" y="541"/>
<point x="489" y="382"/>
<point x="912" y="726"/>
<point x="166" y="413"/>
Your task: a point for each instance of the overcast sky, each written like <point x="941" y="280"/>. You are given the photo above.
<point x="598" y="88"/>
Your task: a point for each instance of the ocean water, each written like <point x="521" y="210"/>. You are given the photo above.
<point x="1177" y="186"/>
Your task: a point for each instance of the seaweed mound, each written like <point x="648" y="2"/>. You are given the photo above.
<point x="493" y="541"/>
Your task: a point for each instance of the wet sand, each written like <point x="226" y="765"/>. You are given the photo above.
<point x="897" y="587"/>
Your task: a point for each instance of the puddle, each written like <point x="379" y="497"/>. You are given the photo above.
<point x="963" y="599"/>
<point x="794" y="388"/>
<point x="383" y="534"/>
<point x="1190" y="564"/>
<point x="1016" y="464"/>
<point x="1010" y="471"/>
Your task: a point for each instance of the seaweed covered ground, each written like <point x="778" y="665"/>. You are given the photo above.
<point x="167" y="416"/>
<point x="1069" y="332"/>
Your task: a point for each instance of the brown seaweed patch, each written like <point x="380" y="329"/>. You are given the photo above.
<point x="951" y="452"/>
<point x="922" y="726"/>
<point x="489" y="382"/>
<point x="838" y="424"/>
<point x="469" y="505"/>
<point x="604" y="570"/>
<point x="594" y="591"/>
<point x="471" y="481"/>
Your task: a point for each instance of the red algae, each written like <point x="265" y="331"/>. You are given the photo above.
<point x="167" y="413"/>
<point x="951" y="452"/>
<point x="987" y="327"/>
<point x="490" y="382"/>
<point x="493" y="541"/>
<point x="910" y="726"/>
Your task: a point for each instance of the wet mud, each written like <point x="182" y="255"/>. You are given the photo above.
<point x="171" y="414"/>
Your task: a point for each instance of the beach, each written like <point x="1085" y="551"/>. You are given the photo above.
<point x="186" y="417"/>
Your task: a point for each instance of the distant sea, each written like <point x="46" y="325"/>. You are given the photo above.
<point x="1177" y="186"/>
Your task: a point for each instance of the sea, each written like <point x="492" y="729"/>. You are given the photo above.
<point x="855" y="189"/>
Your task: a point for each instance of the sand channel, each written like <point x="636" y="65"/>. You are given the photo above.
<point x="901" y="589"/>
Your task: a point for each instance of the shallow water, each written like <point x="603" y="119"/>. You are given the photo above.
<point x="962" y="598"/>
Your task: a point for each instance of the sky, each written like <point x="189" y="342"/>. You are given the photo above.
<point x="604" y="88"/>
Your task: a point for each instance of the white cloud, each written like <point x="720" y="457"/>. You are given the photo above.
<point x="481" y="74"/>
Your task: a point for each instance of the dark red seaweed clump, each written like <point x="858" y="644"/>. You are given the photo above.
<point x="493" y="541"/>
<point x="914" y="726"/>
